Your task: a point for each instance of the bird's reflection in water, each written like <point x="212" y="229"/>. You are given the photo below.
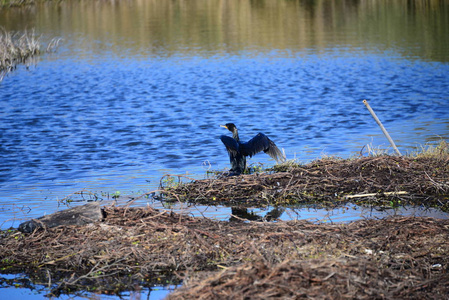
<point x="242" y="214"/>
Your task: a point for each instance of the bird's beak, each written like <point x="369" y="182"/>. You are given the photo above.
<point x="224" y="126"/>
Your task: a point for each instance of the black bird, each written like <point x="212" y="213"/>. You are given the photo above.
<point x="238" y="151"/>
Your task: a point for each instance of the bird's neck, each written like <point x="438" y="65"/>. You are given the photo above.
<point x="235" y="135"/>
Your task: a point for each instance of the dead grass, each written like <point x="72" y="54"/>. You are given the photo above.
<point x="387" y="259"/>
<point x="379" y="180"/>
<point x="438" y="151"/>
<point x="396" y="258"/>
<point x="17" y="48"/>
<point x="20" y="48"/>
<point x="15" y="3"/>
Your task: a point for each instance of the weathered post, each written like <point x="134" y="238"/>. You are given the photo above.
<point x="382" y="127"/>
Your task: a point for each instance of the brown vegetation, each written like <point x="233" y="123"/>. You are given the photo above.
<point x="15" y="49"/>
<point x="395" y="258"/>
<point x="400" y="257"/>
<point x="422" y="180"/>
<point x="20" y="48"/>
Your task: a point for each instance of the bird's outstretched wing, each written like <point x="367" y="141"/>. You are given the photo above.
<point x="261" y="143"/>
<point x="231" y="145"/>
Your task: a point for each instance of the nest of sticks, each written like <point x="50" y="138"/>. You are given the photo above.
<point x="371" y="180"/>
<point x="390" y="259"/>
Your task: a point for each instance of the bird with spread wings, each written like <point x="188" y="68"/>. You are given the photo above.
<point x="238" y="151"/>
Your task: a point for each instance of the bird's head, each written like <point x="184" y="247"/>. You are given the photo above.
<point x="230" y="126"/>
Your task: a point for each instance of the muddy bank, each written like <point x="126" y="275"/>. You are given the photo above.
<point x="379" y="181"/>
<point x="400" y="257"/>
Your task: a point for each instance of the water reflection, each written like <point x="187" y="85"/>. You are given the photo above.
<point x="19" y="286"/>
<point x="242" y="214"/>
<point x="340" y="214"/>
<point x="211" y="27"/>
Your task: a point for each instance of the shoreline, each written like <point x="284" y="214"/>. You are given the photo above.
<point x="388" y="258"/>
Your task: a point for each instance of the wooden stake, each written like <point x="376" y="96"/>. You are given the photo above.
<point x="382" y="127"/>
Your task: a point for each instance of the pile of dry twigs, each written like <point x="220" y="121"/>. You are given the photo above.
<point x="403" y="257"/>
<point x="407" y="180"/>
<point x="399" y="257"/>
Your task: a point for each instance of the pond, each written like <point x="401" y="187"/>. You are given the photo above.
<point x="138" y="89"/>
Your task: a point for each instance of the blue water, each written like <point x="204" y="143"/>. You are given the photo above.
<point x="117" y="124"/>
<point x="138" y="89"/>
<point x="25" y="289"/>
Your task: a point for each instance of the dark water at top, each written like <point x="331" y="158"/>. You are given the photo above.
<point x="138" y="89"/>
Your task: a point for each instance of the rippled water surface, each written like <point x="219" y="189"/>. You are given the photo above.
<point x="138" y="89"/>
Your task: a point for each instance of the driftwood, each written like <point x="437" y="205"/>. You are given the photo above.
<point x="376" y="194"/>
<point x="79" y="215"/>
